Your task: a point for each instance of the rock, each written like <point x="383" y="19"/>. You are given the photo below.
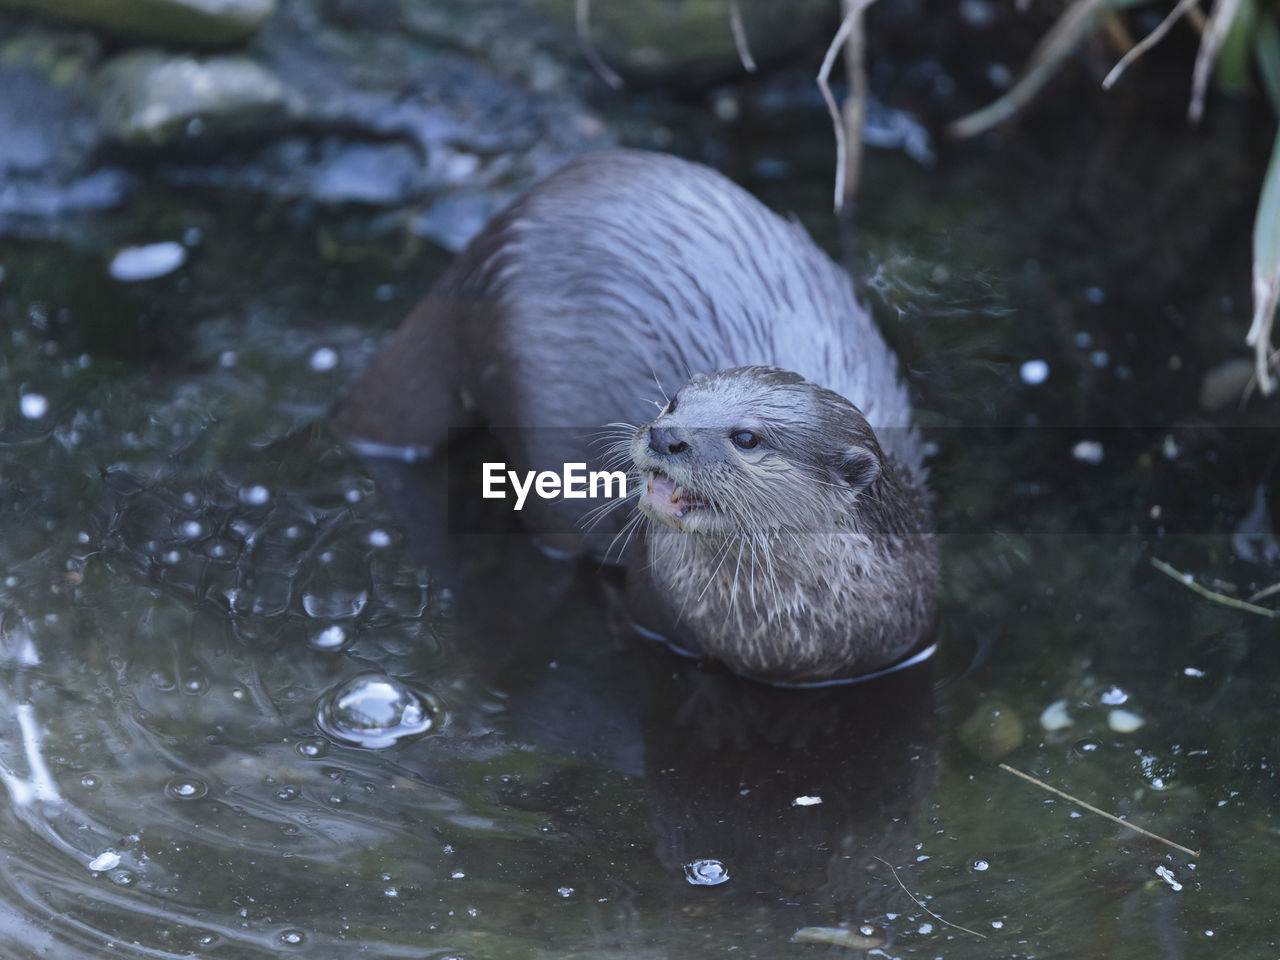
<point x="45" y="113"/>
<point x="331" y="170"/>
<point x="103" y="189"/>
<point x="49" y="133"/>
<point x="199" y="22"/>
<point x="381" y="118"/>
<point x="992" y="731"/>
<point x="1055" y="716"/>
<point x="373" y="173"/>
<point x="455" y="218"/>
<point x="1124" y="721"/>
<point x="149" y="98"/>
<point x="655" y="40"/>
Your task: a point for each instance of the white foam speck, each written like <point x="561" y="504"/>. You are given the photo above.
<point x="148" y="261"/>
<point x="323" y="359"/>
<point x="1088" y="451"/>
<point x="34" y="405"/>
<point x="1034" y="372"/>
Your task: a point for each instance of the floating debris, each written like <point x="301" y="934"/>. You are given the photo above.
<point x="864" y="938"/>
<point x="1113" y="696"/>
<point x="1122" y="721"/>
<point x="1055" y="716"/>
<point x="1100" y="812"/>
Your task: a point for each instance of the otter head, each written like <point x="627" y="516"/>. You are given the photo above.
<point x="752" y="450"/>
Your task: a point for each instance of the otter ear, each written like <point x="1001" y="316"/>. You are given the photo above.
<point x="856" y="466"/>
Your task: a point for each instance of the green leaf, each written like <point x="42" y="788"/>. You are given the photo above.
<point x="1266" y="50"/>
<point x="1233" y="68"/>
<point x="1266" y="269"/>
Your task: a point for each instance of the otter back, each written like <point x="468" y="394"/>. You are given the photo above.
<point x="602" y="290"/>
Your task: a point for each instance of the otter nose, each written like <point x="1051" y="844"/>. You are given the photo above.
<point x="664" y="440"/>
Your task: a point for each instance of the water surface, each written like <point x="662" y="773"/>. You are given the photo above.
<point x="206" y="603"/>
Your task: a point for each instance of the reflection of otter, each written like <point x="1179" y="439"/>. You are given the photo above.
<point x="793" y="542"/>
<point x="794" y="791"/>
<point x="719" y="762"/>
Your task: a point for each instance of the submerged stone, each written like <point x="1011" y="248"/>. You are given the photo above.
<point x="150" y="98"/>
<point x="992" y="731"/>
<point x="204" y="22"/>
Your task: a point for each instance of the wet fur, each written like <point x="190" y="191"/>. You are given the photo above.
<point x="812" y="550"/>
<point x="594" y="298"/>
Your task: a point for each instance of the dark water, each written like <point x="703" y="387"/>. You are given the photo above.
<point x="199" y="586"/>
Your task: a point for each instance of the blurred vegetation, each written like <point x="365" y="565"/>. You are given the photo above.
<point x="1238" y="38"/>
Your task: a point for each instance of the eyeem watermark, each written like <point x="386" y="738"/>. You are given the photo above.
<point x="574" y="482"/>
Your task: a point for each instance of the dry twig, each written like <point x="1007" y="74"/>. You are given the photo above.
<point x="1147" y="42"/>
<point x="980" y="936"/>
<point x="1215" y="33"/>
<point x="849" y="26"/>
<point x="582" y="18"/>
<point x="1092" y="809"/>
<point x="1187" y="581"/>
<point x="740" y="37"/>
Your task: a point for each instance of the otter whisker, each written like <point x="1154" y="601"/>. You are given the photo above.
<point x="613" y="435"/>
<point x="767" y="558"/>
<point x="621" y="458"/>
<point x="723" y="550"/>
<point x="628" y="529"/>
<point x="592" y="518"/>
<point x="736" y="571"/>
<point x="666" y="399"/>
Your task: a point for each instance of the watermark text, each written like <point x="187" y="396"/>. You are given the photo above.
<point x="574" y="482"/>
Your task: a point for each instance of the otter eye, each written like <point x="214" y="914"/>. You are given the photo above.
<point x="744" y="439"/>
<point x="671" y="405"/>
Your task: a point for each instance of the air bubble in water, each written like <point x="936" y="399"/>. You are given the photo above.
<point x="706" y="873"/>
<point x="186" y="788"/>
<point x="313" y="748"/>
<point x="375" y="711"/>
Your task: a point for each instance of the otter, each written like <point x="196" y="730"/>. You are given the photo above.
<point x="781" y="525"/>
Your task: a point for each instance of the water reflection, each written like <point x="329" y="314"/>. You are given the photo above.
<point x="773" y="796"/>
<point x="188" y="566"/>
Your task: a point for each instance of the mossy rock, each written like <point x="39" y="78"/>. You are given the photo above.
<point x="152" y="99"/>
<point x="195" y="22"/>
<point x="692" y="40"/>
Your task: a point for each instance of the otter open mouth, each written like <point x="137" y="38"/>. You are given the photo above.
<point x="666" y="498"/>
